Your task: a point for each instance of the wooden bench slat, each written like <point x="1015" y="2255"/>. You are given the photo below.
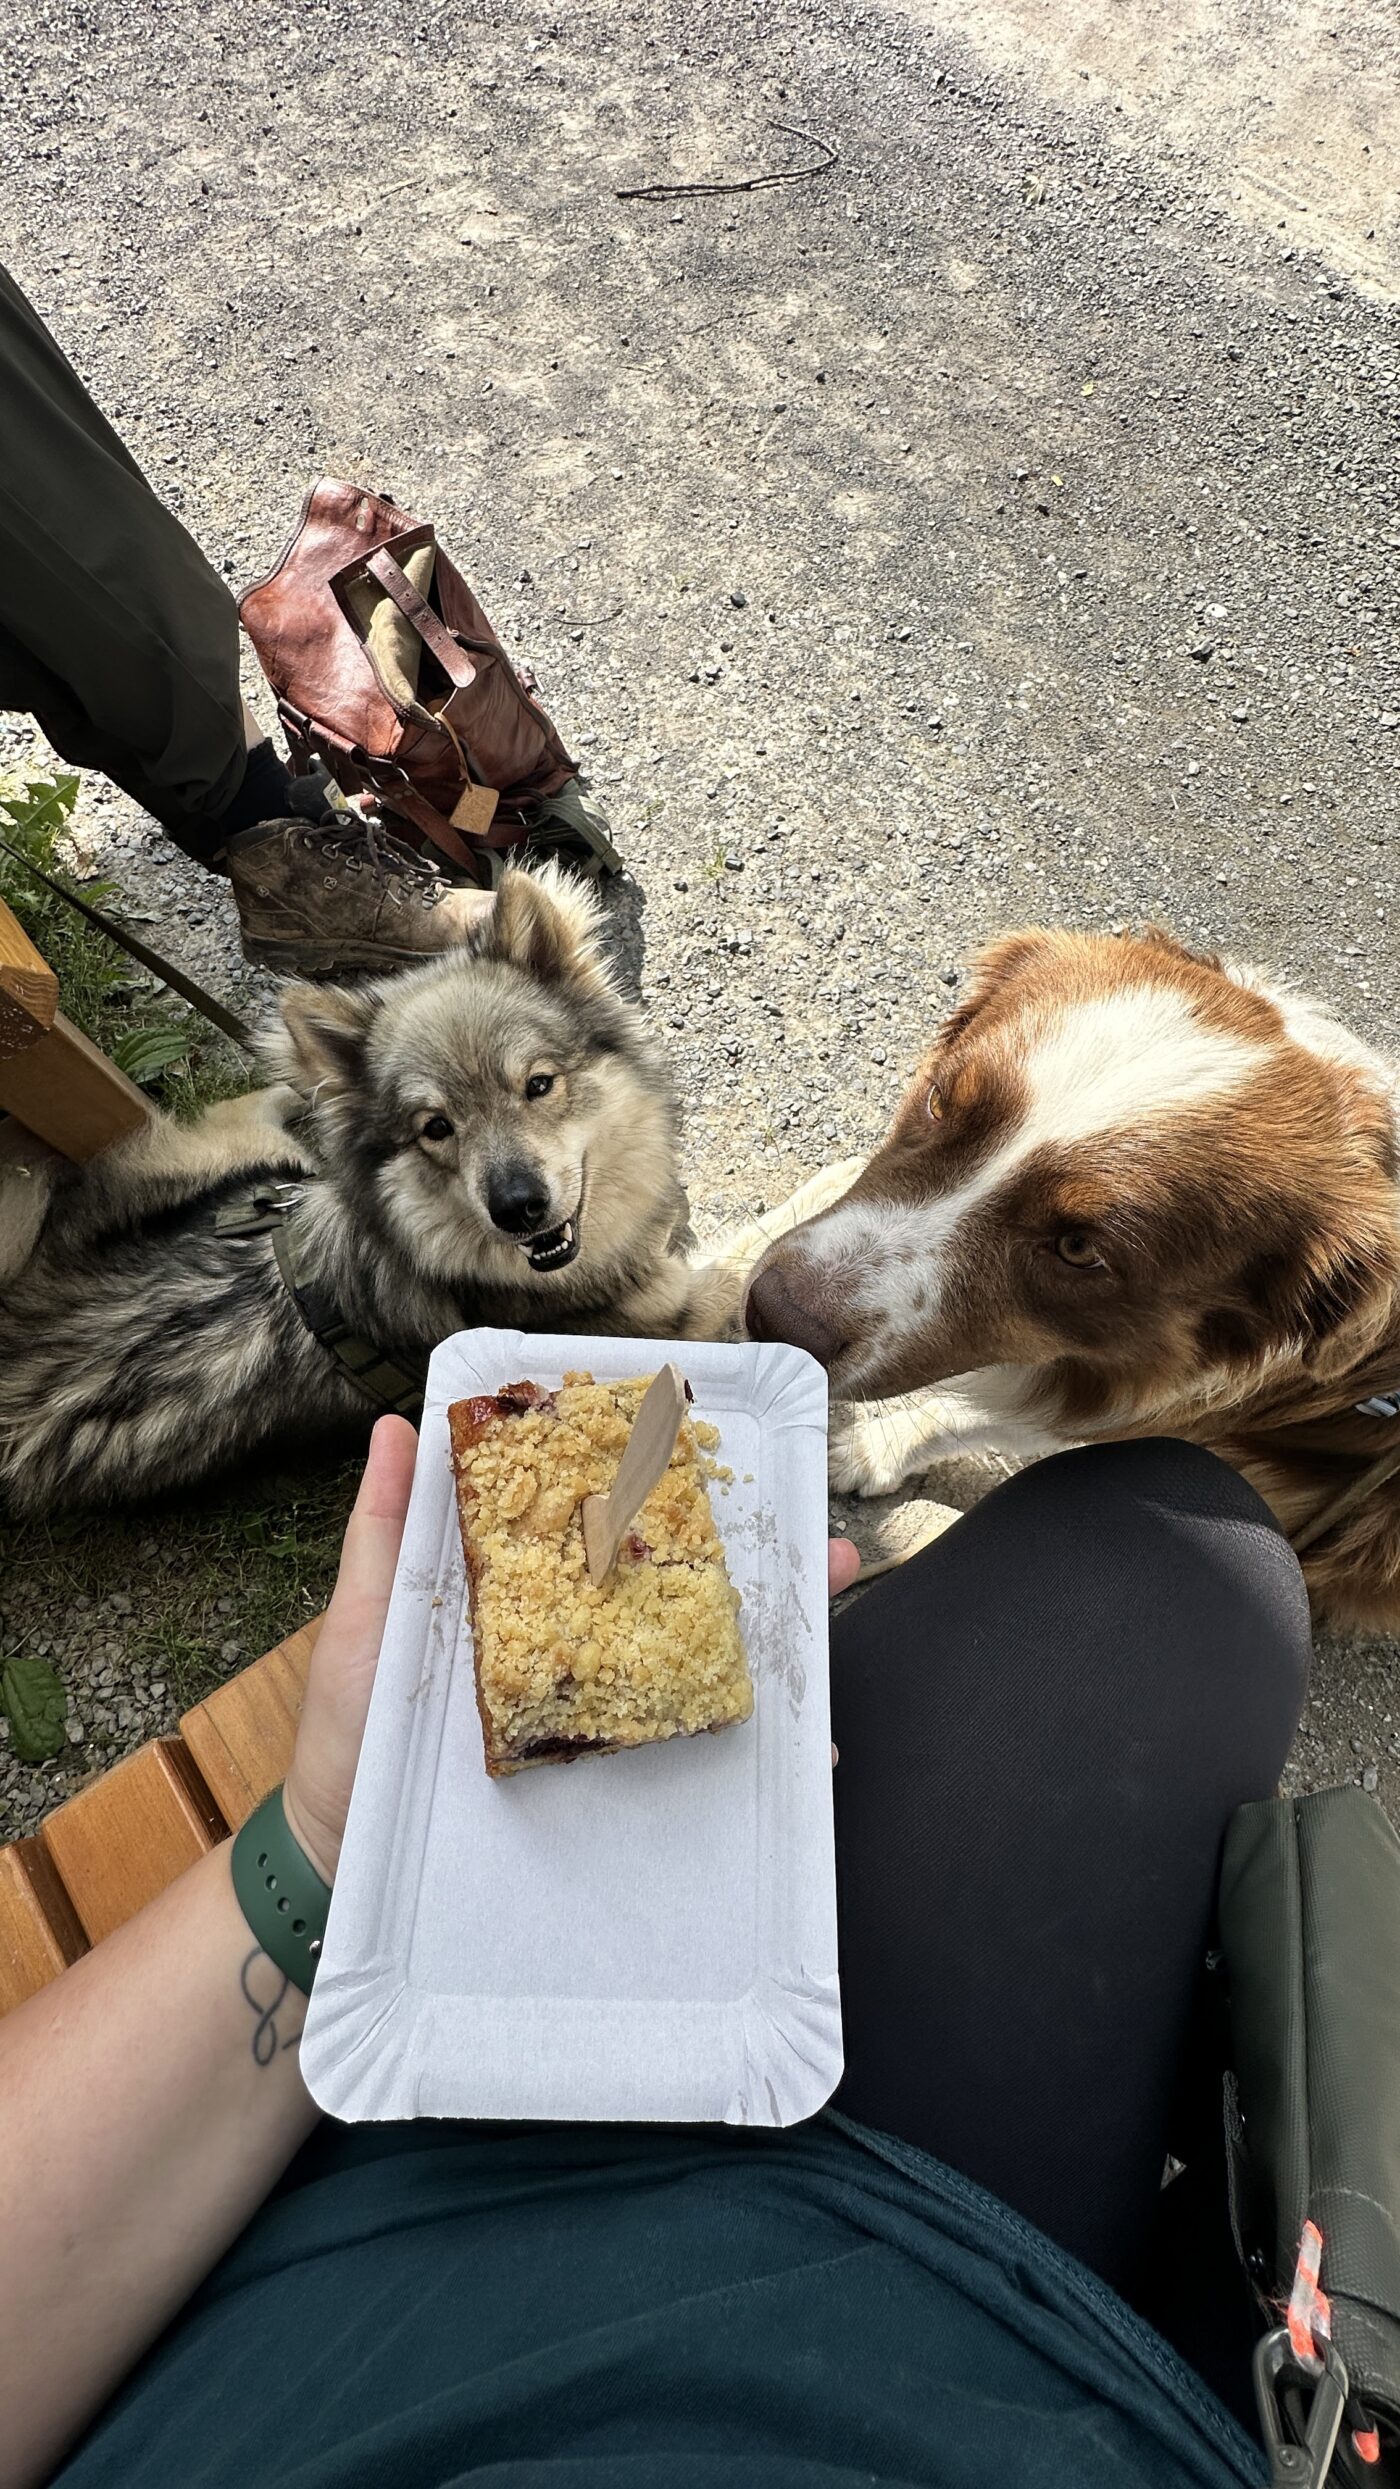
<point x="28" y="987"/>
<point x="241" y="1736"/>
<point x="120" y="1841"/>
<point x="39" y="1931"/>
<point x="117" y="1843"/>
<point x="63" y="1089"/>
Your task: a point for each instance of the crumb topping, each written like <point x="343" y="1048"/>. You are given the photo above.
<point x="565" y="1666"/>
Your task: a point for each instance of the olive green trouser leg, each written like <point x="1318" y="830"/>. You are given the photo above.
<point x="114" y="631"/>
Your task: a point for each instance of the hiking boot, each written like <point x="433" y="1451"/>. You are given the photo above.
<point x="317" y="896"/>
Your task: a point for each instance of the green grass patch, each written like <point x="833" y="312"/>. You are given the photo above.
<point x="246" y="1562"/>
<point x="153" y="1037"/>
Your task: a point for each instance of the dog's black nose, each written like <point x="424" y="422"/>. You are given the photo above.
<point x="517" y="1200"/>
<point x="774" y="1311"/>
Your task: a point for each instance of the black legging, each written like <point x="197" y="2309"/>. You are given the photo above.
<point x="1045" y="1722"/>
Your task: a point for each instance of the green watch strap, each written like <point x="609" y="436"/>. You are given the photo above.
<point x="279" y="1892"/>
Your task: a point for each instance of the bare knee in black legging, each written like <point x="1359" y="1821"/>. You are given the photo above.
<point x="1045" y="1722"/>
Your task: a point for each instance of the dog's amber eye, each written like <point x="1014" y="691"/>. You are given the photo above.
<point x="935" y="1106"/>
<point x="437" y="1128"/>
<point x="1079" y="1250"/>
<point x="539" y="1084"/>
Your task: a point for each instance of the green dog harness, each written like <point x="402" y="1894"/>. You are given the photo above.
<point x="265" y="1209"/>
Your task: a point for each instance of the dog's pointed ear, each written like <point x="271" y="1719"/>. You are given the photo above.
<point x="326" y="1027"/>
<point x="547" y="924"/>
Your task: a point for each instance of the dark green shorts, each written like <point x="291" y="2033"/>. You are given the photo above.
<point x="653" y="2308"/>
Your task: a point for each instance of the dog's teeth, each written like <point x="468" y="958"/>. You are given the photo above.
<point x="560" y="1247"/>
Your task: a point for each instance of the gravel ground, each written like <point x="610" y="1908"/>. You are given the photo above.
<point x="998" y="526"/>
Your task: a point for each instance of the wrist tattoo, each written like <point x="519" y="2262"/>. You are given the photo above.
<point x="267" y="1991"/>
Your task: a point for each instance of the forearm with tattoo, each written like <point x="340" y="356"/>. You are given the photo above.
<point x="127" y="2169"/>
<point x="269" y="1994"/>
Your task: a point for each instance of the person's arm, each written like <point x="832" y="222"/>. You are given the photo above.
<point x="152" y="2095"/>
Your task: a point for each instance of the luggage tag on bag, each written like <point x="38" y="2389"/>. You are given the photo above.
<point x="474" y="810"/>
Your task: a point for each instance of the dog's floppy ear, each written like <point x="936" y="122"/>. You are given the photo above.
<point x="546" y="924"/>
<point x="1336" y="1307"/>
<point x="1332" y="1304"/>
<point x="1161" y="938"/>
<point x="1347" y="1307"/>
<point x="326" y="1027"/>
<point x="994" y="967"/>
<point x="1350" y="1299"/>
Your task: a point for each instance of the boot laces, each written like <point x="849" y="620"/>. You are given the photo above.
<point x="362" y="842"/>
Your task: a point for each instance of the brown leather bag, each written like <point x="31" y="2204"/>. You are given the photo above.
<point x="387" y="670"/>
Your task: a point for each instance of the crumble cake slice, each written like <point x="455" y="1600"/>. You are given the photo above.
<point x="565" y="1666"/>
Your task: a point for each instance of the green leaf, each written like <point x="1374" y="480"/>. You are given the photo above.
<point x="59" y="793"/>
<point x="33" y="1701"/>
<point x="147" y="1052"/>
<point x="39" y="813"/>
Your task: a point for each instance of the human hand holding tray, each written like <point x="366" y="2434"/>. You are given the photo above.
<point x="648" y="1935"/>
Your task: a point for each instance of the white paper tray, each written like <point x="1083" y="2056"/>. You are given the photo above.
<point x="644" y="1935"/>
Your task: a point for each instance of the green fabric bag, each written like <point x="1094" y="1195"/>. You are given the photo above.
<point x="1310" y="1931"/>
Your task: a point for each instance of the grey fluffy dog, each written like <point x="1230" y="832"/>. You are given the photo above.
<point x="490" y="1138"/>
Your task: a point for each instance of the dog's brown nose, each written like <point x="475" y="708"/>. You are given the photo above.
<point x="774" y="1310"/>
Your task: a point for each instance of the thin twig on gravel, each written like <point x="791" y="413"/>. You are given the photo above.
<point x="588" y="622"/>
<point x="703" y="327"/>
<point x="756" y="181"/>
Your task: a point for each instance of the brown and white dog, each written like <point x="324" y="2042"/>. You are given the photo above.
<point x="1132" y="1191"/>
